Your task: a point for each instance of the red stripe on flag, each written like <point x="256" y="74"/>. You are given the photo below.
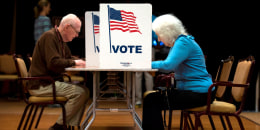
<point x="127" y="23"/>
<point x="96" y="29"/>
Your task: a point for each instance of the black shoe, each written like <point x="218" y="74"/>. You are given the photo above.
<point x="73" y="127"/>
<point x="57" y="127"/>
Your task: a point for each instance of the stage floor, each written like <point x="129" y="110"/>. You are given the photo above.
<point x="11" y="112"/>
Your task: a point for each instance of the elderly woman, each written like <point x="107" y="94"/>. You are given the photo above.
<point x="186" y="60"/>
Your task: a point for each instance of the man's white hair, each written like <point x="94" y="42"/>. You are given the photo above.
<point x="168" y="28"/>
<point x="69" y="19"/>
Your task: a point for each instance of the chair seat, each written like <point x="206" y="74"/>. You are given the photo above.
<point x="35" y="99"/>
<point x="217" y="106"/>
<point x="148" y="92"/>
<point x="74" y="78"/>
<point x="8" y="76"/>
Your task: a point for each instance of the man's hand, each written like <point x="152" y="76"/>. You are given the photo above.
<point x="80" y="62"/>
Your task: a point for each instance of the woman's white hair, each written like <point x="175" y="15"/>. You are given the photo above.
<point x="168" y="28"/>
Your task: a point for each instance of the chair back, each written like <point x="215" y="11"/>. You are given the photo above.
<point x="29" y="60"/>
<point x="22" y="73"/>
<point x="22" y="68"/>
<point x="7" y="65"/>
<point x="225" y="67"/>
<point x="164" y="80"/>
<point x="242" y="76"/>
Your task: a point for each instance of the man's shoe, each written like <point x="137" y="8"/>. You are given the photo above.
<point x="57" y="127"/>
<point x="73" y="127"/>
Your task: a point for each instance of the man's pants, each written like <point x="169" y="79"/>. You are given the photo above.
<point x="77" y="98"/>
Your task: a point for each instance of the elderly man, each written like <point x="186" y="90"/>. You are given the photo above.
<point x="50" y="58"/>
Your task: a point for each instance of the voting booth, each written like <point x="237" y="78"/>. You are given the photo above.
<point x="92" y="38"/>
<point x="119" y="36"/>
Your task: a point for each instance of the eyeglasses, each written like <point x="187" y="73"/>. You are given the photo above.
<point x="77" y="32"/>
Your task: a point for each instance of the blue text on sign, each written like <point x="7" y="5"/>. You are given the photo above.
<point x="127" y="49"/>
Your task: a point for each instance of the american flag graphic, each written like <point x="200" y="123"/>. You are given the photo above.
<point x="123" y="20"/>
<point x="96" y="24"/>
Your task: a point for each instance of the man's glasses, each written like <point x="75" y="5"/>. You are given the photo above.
<point x="77" y="32"/>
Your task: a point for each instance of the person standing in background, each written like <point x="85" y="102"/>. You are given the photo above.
<point x="42" y="22"/>
<point x="147" y="76"/>
<point x="148" y="83"/>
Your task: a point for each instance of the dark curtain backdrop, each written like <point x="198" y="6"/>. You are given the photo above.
<point x="221" y="28"/>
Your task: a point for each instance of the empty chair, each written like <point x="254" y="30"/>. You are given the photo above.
<point x="227" y="108"/>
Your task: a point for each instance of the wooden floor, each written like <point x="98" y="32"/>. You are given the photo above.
<point x="11" y="111"/>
